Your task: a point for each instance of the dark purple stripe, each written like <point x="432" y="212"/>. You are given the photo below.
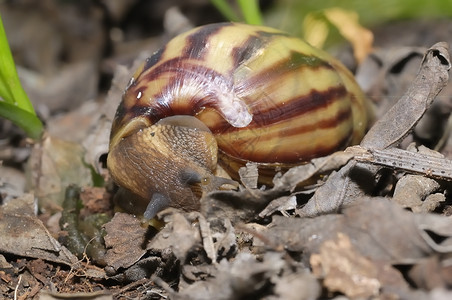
<point x="154" y="59"/>
<point x="299" y="106"/>
<point x="295" y="154"/>
<point x="247" y="50"/>
<point x="196" y="42"/>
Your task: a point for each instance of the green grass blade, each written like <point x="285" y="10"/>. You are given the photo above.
<point x="26" y="120"/>
<point x="10" y="88"/>
<point x="251" y="11"/>
<point x="14" y="102"/>
<point x="226" y="10"/>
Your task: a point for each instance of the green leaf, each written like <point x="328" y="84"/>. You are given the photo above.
<point x="22" y="118"/>
<point x="14" y="102"/>
<point x="10" y="88"/>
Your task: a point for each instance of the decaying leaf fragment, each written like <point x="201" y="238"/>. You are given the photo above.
<point x="411" y="190"/>
<point x="55" y="164"/>
<point x="124" y="241"/>
<point x="129" y="243"/>
<point x="23" y="234"/>
<point x="247" y="203"/>
<point x="355" y="252"/>
<point x="345" y="270"/>
<point x="381" y="231"/>
<point x="242" y="277"/>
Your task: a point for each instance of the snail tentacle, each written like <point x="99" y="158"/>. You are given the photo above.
<point x="157" y="203"/>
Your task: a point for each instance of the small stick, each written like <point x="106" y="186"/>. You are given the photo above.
<point x="413" y="162"/>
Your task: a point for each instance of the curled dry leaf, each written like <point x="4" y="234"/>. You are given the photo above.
<point x="97" y="141"/>
<point x="281" y="204"/>
<point x="411" y="190"/>
<point x="178" y="235"/>
<point x="402" y="117"/>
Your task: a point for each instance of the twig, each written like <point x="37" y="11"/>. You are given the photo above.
<point x="132" y="285"/>
<point x="413" y="162"/>
<point x="17" y="287"/>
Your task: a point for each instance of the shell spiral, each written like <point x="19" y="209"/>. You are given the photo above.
<point x="266" y="96"/>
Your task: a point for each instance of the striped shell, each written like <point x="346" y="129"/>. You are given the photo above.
<point x="266" y="96"/>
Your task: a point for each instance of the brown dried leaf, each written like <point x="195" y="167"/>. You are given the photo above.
<point x="348" y="25"/>
<point x="411" y="190"/>
<point x="124" y="240"/>
<point x="178" y="235"/>
<point x="322" y="165"/>
<point x="438" y="225"/>
<point x="281" y="204"/>
<point x="249" y="175"/>
<point x="403" y="116"/>
<point x="296" y="286"/>
<point x="344" y="269"/>
<point x="129" y="241"/>
<point x="371" y="223"/>
<point x="431" y="273"/>
<point x="97" y="141"/>
<point x="24" y="234"/>
<point x="55" y="164"/>
<point x="237" y="279"/>
<point x="244" y="205"/>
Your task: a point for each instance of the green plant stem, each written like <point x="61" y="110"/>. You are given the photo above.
<point x="251" y="11"/>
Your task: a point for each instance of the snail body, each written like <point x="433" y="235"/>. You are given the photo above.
<point x="231" y="93"/>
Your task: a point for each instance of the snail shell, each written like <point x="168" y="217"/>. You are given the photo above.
<point x="240" y="92"/>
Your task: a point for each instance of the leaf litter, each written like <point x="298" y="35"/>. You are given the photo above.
<point x="277" y="243"/>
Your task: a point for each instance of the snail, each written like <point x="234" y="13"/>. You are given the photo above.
<point x="228" y="93"/>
